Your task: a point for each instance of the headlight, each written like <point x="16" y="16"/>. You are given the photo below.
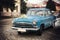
<point x="34" y="22"/>
<point x="12" y="22"/>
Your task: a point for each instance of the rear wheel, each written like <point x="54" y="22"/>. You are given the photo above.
<point x="53" y="25"/>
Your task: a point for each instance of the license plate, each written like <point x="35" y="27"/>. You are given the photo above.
<point x="22" y="30"/>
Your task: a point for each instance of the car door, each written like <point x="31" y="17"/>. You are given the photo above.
<point x="52" y="17"/>
<point x="46" y="19"/>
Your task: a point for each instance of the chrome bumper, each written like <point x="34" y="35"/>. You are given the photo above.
<point x="24" y="29"/>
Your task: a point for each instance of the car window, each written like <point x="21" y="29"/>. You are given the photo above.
<point x="43" y="13"/>
<point x="31" y="12"/>
<point x="40" y="13"/>
<point x="47" y="13"/>
<point x="28" y="12"/>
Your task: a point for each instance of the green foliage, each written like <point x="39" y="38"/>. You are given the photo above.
<point x="51" y="5"/>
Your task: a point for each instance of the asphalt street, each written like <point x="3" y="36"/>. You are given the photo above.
<point x="48" y="34"/>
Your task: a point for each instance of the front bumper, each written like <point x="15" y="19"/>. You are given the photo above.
<point x="24" y="29"/>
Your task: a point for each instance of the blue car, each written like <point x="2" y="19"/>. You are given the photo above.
<point x="36" y="19"/>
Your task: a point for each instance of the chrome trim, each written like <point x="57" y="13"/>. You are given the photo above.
<point x="25" y="28"/>
<point x="23" y="22"/>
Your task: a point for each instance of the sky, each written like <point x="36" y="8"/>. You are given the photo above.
<point x="36" y="1"/>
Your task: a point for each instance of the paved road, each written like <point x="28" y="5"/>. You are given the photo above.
<point x="48" y="34"/>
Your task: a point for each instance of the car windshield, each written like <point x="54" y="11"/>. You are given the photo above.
<point x="36" y="12"/>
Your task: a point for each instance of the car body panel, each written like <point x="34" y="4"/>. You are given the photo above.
<point x="46" y="20"/>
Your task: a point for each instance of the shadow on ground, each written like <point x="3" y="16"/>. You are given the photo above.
<point x="56" y="33"/>
<point x="48" y="34"/>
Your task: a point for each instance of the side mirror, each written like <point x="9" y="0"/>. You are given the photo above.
<point x="52" y="12"/>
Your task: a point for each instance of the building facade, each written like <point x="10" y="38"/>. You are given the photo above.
<point x="17" y="10"/>
<point x="17" y="6"/>
<point x="36" y="3"/>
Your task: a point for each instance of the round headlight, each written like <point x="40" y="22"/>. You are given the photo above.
<point x="12" y="22"/>
<point x="34" y="22"/>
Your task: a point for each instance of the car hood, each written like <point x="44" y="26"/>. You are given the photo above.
<point x="28" y="19"/>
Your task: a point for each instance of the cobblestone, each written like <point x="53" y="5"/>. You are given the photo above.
<point x="48" y="34"/>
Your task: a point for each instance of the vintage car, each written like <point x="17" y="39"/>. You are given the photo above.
<point x="36" y="19"/>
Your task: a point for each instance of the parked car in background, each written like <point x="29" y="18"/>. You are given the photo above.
<point x="36" y="19"/>
<point x="57" y="23"/>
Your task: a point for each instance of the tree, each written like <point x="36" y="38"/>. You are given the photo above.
<point x="23" y="6"/>
<point x="51" y="5"/>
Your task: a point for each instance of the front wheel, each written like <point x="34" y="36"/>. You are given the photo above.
<point x="19" y="32"/>
<point x="40" y="30"/>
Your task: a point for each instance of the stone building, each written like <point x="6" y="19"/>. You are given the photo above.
<point x="17" y="5"/>
<point x="17" y="10"/>
<point x="10" y="13"/>
<point x="36" y="3"/>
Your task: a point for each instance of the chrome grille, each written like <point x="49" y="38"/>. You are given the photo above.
<point x="23" y="25"/>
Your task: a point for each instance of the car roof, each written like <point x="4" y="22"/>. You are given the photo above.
<point x="39" y="9"/>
